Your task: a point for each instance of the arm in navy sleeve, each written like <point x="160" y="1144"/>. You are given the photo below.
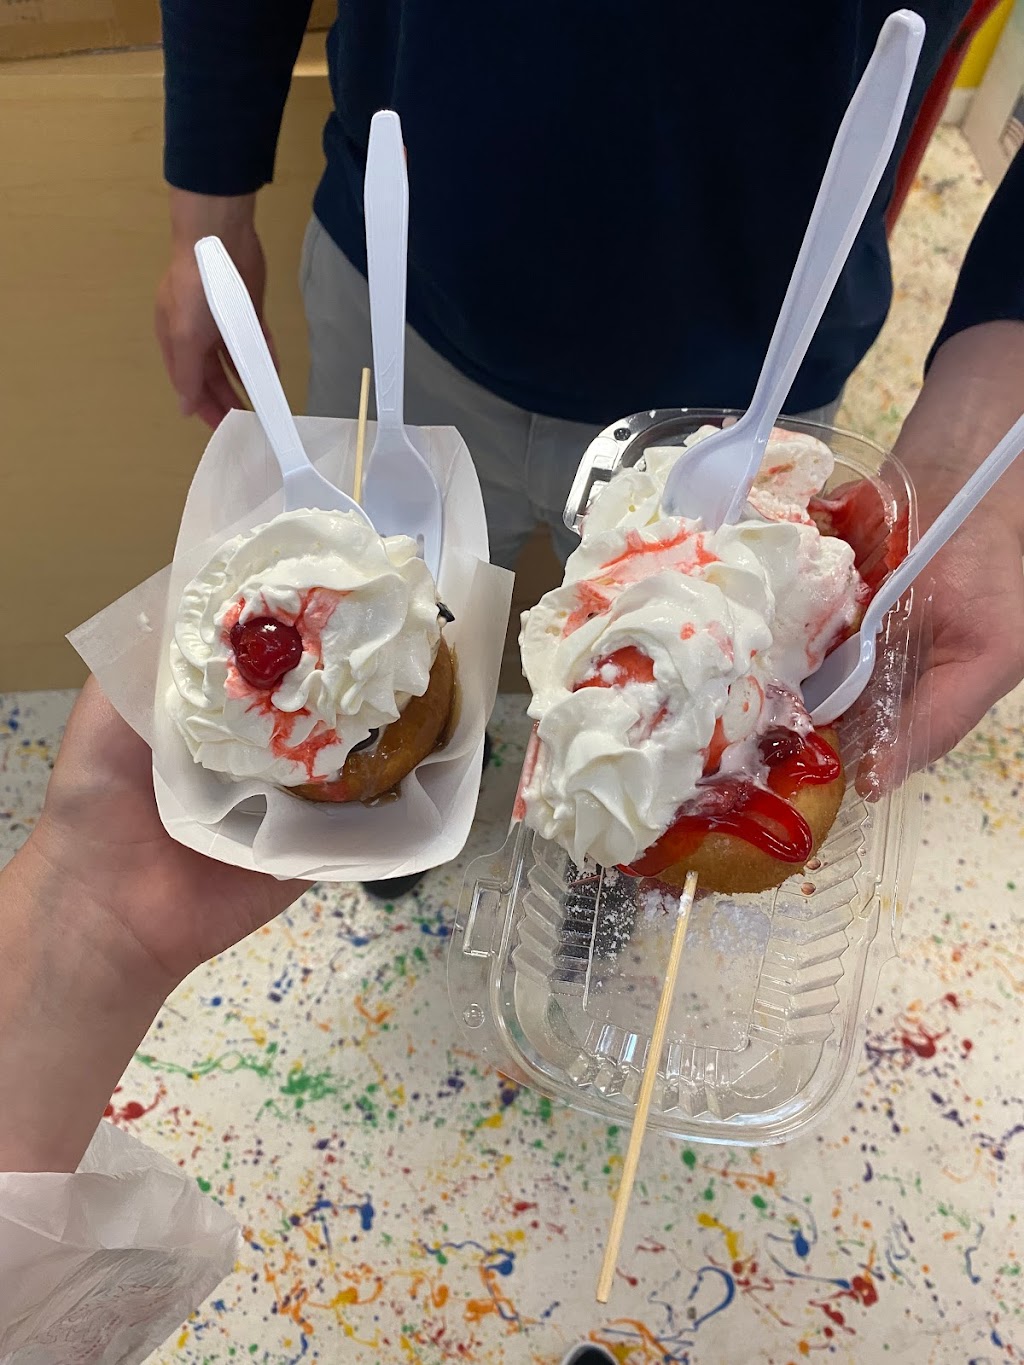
<point x="991" y="284"/>
<point x="228" y="66"/>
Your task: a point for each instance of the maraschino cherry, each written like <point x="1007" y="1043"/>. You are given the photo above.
<point x="265" y="650"/>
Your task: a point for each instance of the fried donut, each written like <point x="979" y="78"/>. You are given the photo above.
<point x="728" y="863"/>
<point x="371" y="771"/>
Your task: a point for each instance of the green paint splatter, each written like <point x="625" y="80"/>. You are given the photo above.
<point x="948" y="1212"/>
<point x="759" y="1202"/>
<point x="709" y="1193"/>
<point x="262" y="1064"/>
<point x="205" y="1185"/>
<point x="1011" y="886"/>
<point x="303" y="1085"/>
<point x="689" y="1158"/>
<point x="544" y="1109"/>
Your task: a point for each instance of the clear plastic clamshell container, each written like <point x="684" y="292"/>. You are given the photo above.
<point x="555" y="971"/>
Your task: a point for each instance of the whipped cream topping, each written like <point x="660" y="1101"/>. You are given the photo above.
<point x="668" y="649"/>
<point x="365" y="609"/>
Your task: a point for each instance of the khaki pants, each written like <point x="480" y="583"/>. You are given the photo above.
<point x="525" y="461"/>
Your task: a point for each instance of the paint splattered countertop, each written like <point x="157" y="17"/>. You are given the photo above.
<point x="401" y="1202"/>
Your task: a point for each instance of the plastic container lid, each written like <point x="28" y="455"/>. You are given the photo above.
<point x="555" y="971"/>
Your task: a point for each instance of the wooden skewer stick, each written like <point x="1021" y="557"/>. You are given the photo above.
<point x="643" y="1103"/>
<point x="364" y="405"/>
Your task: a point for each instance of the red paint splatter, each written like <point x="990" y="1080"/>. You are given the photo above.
<point x="128" y="1113"/>
<point x="967" y="1045"/>
<point x="920" y="1041"/>
<point x="688" y="631"/>
<point x="522" y="1206"/>
<point x="862" y="1288"/>
<point x="951" y="999"/>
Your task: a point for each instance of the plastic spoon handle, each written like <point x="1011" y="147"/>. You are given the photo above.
<point x="859" y="157"/>
<point x="949" y="520"/>
<point x="387" y="233"/>
<point x="240" y="327"/>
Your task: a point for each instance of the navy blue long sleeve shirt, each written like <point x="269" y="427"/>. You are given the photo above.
<point x="607" y="196"/>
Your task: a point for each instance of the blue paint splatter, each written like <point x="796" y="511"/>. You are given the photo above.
<point x="729" y="1285"/>
<point x="801" y="1245"/>
<point x="437" y="930"/>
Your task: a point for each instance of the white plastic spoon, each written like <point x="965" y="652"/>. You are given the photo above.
<point x="713" y="480"/>
<point x="843" y="676"/>
<point x="236" y="317"/>
<point x="399" y="490"/>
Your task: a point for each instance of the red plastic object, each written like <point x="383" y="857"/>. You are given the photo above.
<point x="932" y="106"/>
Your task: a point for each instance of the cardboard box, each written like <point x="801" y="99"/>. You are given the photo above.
<point x="42" y="28"/>
<point x="994" y="126"/>
<point x="51" y="28"/>
<point x="96" y="456"/>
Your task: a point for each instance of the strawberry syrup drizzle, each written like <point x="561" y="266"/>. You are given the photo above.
<point x="592" y="595"/>
<point x="631" y="665"/>
<point x="729" y="805"/>
<point x="638" y="548"/>
<point x="732" y="805"/>
<point x="316" y="607"/>
<point x="526" y="777"/>
<point x="592" y="602"/>
<point x="857" y="513"/>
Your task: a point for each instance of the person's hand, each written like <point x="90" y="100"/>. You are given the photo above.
<point x="194" y="354"/>
<point x="100" y="834"/>
<point x="102" y="914"/>
<point x="975" y="653"/>
<point x="972" y="646"/>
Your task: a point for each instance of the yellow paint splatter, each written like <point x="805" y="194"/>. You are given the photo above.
<point x="492" y="1121"/>
<point x="259" y="1035"/>
<point x="732" y="1238"/>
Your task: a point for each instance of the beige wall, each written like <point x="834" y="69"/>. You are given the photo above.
<point x="96" y="459"/>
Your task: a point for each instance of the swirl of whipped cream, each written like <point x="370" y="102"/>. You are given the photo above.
<point x="632" y="662"/>
<point x="667" y="647"/>
<point x="366" y="611"/>
<point x="795" y="467"/>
